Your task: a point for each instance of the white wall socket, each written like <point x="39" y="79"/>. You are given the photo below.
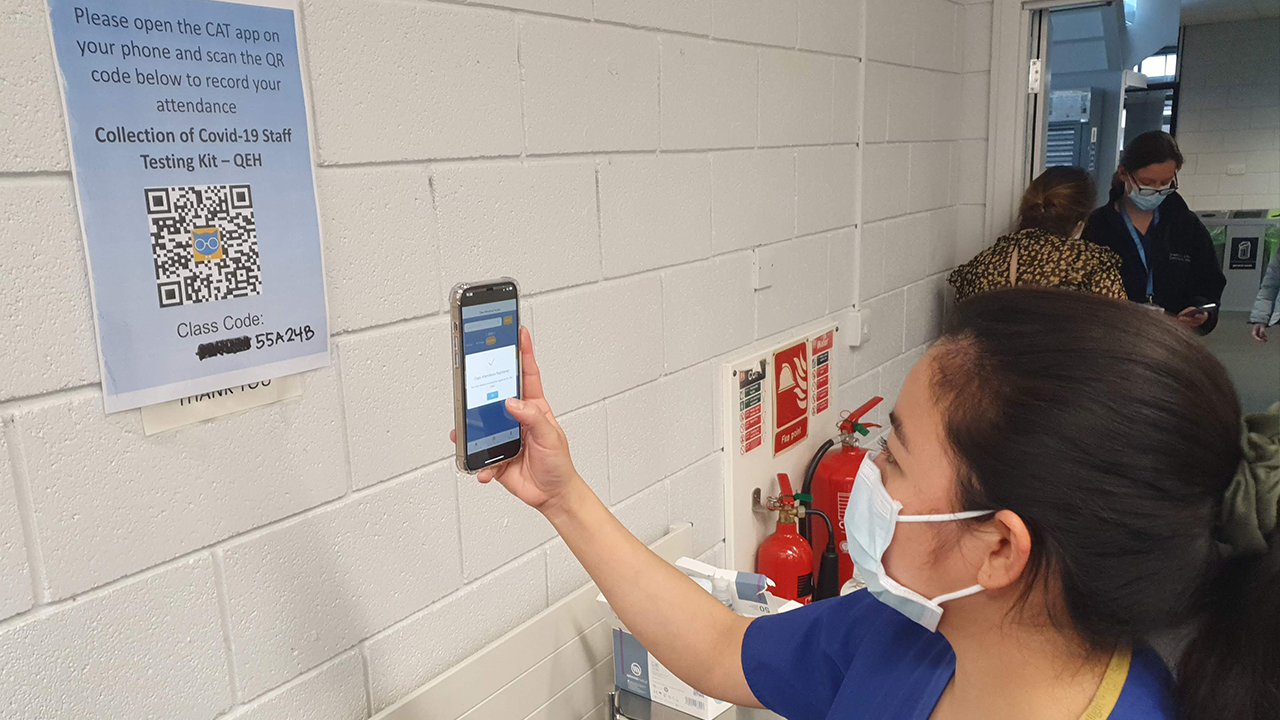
<point x="855" y="327"/>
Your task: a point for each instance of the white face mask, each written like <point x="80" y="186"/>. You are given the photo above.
<point x="870" y="519"/>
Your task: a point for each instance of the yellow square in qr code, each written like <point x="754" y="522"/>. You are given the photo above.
<point x="207" y="243"/>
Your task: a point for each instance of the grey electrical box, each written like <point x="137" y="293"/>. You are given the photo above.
<point x="1075" y="119"/>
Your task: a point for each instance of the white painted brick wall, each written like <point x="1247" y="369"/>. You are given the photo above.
<point x="370" y="104"/>
<point x="368" y="278"/>
<point x="629" y="161"/>
<point x="588" y="88"/>
<point x="766" y="22"/>
<point x="498" y="219"/>
<point x="15" y="576"/>
<point x="108" y="501"/>
<point x="799" y="290"/>
<point x="832" y="26"/>
<point x="691" y="16"/>
<point x="796" y="106"/>
<point x="925" y="123"/>
<point x="696" y="494"/>
<point x="391" y="390"/>
<point x="826" y="188"/>
<point x="406" y="655"/>
<point x="612" y="328"/>
<point x="708" y="93"/>
<point x="31" y="119"/>
<point x="753" y="198"/>
<point x="309" y="589"/>
<point x="655" y="210"/>
<point x="45" y="292"/>
<point x="334" y="691"/>
<point x="720" y="288"/>
<point x="149" y="647"/>
<point x="1229" y="115"/>
<point x="658" y="429"/>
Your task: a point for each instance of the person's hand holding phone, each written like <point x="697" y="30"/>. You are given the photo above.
<point x="1260" y="332"/>
<point x="543" y="470"/>
<point x="1194" y="317"/>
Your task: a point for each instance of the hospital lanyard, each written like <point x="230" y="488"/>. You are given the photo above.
<point x="1142" y="252"/>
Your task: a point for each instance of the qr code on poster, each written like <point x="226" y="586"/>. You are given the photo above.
<point x="204" y="243"/>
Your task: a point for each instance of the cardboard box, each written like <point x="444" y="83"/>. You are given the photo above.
<point x="639" y="673"/>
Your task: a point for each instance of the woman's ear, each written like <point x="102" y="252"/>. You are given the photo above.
<point x="1078" y="230"/>
<point x="1009" y="549"/>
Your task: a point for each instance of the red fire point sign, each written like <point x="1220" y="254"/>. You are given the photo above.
<point x="790" y="396"/>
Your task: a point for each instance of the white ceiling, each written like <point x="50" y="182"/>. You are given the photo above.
<point x="1200" y="12"/>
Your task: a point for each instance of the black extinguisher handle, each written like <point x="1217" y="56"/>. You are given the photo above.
<point x="827" y="584"/>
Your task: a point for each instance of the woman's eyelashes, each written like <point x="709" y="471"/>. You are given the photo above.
<point x="886" y="452"/>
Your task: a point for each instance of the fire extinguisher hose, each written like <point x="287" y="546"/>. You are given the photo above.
<point x="806" y="488"/>
<point x="827" y="584"/>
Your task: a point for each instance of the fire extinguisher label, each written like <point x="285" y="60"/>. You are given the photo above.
<point x="804" y="587"/>
<point x="842" y="502"/>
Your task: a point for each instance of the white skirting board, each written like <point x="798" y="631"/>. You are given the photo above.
<point x="556" y="666"/>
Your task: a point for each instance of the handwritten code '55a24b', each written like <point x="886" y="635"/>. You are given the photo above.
<point x="204" y="243"/>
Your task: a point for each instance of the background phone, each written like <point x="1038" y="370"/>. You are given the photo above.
<point x="1207" y="307"/>
<point x="486" y="371"/>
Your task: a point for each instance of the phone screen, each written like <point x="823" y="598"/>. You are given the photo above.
<point x="491" y="374"/>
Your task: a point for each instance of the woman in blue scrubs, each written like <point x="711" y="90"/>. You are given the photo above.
<point x="1044" y="502"/>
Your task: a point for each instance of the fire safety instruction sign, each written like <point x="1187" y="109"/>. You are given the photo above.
<point x="790" y="396"/>
<point x="191" y="152"/>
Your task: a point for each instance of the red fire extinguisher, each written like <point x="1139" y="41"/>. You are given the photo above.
<point x="784" y="557"/>
<point x="829" y="479"/>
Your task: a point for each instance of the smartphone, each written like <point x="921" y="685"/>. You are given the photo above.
<point x="1199" y="309"/>
<point x="486" y="371"/>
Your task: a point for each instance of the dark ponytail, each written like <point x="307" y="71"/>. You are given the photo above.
<point x="1149" y="148"/>
<point x="1115" y="436"/>
<point x="1231" y="668"/>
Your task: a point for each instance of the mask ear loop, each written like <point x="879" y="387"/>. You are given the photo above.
<point x="968" y="514"/>
<point x="971" y="590"/>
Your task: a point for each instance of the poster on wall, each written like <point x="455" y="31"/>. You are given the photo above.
<point x="790" y="396"/>
<point x="821" y="355"/>
<point x="750" y="407"/>
<point x="191" y="152"/>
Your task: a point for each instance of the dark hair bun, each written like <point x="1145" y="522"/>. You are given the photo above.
<point x="1056" y="201"/>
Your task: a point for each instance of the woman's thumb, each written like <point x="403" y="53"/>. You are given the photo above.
<point x="528" y="415"/>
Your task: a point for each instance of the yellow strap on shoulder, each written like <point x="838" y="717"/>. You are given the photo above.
<point x="1104" y="701"/>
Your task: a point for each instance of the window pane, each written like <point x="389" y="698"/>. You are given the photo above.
<point x="1171" y="68"/>
<point x="1153" y="67"/>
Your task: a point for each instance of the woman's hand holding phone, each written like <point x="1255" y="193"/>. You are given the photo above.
<point x="689" y="631"/>
<point x="1194" y="317"/>
<point x="543" y="470"/>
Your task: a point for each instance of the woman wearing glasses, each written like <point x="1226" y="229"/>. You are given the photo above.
<point x="1167" y="257"/>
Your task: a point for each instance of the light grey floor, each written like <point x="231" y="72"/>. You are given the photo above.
<point x="1254" y="366"/>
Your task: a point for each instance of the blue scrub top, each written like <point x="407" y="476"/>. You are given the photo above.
<point x="854" y="657"/>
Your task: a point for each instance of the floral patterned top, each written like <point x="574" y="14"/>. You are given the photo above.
<point x="1038" y="258"/>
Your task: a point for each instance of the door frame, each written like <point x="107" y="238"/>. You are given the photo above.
<point x="1011" y="141"/>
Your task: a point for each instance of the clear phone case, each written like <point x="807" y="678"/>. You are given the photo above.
<point x="459" y="405"/>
